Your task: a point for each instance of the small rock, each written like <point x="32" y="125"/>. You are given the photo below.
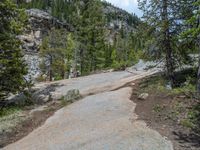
<point x="38" y="34"/>
<point x="72" y="95"/>
<point x="111" y="70"/>
<point x="143" y="96"/>
<point x="41" y="99"/>
<point x="55" y="95"/>
<point x="46" y="99"/>
<point x="182" y="96"/>
<point x="38" y="109"/>
<point x="132" y="84"/>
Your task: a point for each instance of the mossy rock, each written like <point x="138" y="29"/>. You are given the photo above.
<point x="72" y="95"/>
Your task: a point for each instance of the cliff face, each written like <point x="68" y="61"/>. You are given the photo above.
<point x="119" y="18"/>
<point x="40" y="23"/>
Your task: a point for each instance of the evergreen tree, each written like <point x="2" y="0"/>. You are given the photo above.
<point x="125" y="50"/>
<point x="13" y="68"/>
<point x="92" y="36"/>
<point x="165" y="18"/>
<point x="70" y="53"/>
<point x="57" y="53"/>
<point x="108" y="54"/>
<point x="193" y="34"/>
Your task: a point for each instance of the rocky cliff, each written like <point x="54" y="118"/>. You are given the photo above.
<point x="40" y="23"/>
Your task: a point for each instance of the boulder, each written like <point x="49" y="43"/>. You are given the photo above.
<point x="143" y="96"/>
<point x="72" y="95"/>
<point x="56" y="95"/>
<point x="19" y="99"/>
<point x="133" y="84"/>
<point x="40" y="99"/>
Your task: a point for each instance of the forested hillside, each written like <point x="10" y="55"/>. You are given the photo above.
<point x="102" y="37"/>
<point x="66" y="11"/>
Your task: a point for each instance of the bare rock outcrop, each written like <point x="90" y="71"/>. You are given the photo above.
<point x="40" y="23"/>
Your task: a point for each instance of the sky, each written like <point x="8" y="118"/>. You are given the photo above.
<point x="129" y="5"/>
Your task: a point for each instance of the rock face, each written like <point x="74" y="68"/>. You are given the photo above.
<point x="33" y="62"/>
<point x="40" y="23"/>
<point x="117" y="19"/>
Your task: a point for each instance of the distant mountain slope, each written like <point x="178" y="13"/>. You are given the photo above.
<point x="114" y="13"/>
<point x="64" y="11"/>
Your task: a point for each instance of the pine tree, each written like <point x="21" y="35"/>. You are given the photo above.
<point x="91" y="36"/>
<point x="13" y="68"/>
<point x="57" y="53"/>
<point x="108" y="54"/>
<point x="193" y="34"/>
<point x="165" y="18"/>
<point x="70" y="55"/>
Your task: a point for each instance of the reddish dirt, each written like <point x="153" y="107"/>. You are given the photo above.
<point x="181" y="137"/>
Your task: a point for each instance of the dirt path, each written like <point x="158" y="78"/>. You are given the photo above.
<point x="103" y="121"/>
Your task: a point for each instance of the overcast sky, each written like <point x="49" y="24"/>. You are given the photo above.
<point x="129" y="5"/>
